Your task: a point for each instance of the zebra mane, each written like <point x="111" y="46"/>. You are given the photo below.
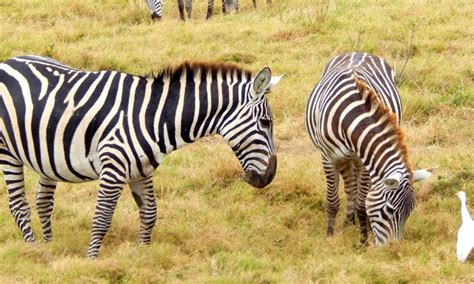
<point x="381" y="112"/>
<point x="204" y="67"/>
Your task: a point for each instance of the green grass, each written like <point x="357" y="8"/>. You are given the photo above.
<point x="212" y="226"/>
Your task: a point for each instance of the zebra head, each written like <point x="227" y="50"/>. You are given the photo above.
<point x="250" y="132"/>
<point x="390" y="203"/>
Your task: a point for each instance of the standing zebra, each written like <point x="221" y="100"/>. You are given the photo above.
<point x="156" y="8"/>
<point x="353" y="117"/>
<point x="77" y="126"/>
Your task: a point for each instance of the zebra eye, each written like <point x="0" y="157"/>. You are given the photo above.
<point x="266" y="122"/>
<point x="390" y="209"/>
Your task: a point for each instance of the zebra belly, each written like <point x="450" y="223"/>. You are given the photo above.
<point x="55" y="168"/>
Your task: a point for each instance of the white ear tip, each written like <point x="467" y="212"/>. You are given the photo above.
<point x="431" y="170"/>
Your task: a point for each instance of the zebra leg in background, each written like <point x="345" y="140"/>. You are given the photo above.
<point x="350" y="188"/>
<point x="44" y="204"/>
<point x="210" y="9"/>
<point x="224" y="7"/>
<point x="332" y="197"/>
<point x="363" y="182"/>
<point x="14" y="179"/>
<point x="111" y="186"/>
<point x="255" y="4"/>
<point x="142" y="192"/>
<point x="181" y="9"/>
<point x="189" y="7"/>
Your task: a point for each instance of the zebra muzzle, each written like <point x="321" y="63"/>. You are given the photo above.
<point x="258" y="180"/>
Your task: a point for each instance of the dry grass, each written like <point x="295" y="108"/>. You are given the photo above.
<point x="213" y="227"/>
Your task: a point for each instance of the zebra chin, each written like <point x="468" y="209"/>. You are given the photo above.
<point x="258" y="180"/>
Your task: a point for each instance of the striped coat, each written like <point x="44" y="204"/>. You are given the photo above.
<point x="353" y="117"/>
<point x="76" y="126"/>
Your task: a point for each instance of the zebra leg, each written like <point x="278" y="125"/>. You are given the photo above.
<point x="224" y="7"/>
<point x="255" y="4"/>
<point x="181" y="9"/>
<point x="142" y="192"/>
<point x="332" y="197"/>
<point x="236" y="4"/>
<point x="14" y="179"/>
<point x="210" y="9"/>
<point x="189" y="8"/>
<point x="363" y="181"/>
<point x="44" y="204"/>
<point x="350" y="188"/>
<point x="111" y="186"/>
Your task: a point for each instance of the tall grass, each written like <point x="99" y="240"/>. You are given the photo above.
<point x="212" y="226"/>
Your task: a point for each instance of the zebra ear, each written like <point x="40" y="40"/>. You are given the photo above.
<point x="423" y="174"/>
<point x="274" y="81"/>
<point x="262" y="81"/>
<point x="393" y="181"/>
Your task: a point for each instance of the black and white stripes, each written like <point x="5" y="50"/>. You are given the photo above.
<point x="156" y="8"/>
<point x="353" y="117"/>
<point x="75" y="126"/>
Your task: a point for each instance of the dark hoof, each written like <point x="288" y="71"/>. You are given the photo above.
<point x="330" y="232"/>
<point x="155" y="16"/>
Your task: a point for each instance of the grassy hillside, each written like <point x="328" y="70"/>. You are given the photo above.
<point x="212" y="226"/>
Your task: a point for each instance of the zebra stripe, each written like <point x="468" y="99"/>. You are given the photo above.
<point x="185" y="4"/>
<point x="353" y="117"/>
<point x="156" y="8"/>
<point x="76" y="126"/>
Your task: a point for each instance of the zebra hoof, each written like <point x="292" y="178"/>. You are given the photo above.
<point x="30" y="240"/>
<point x="142" y="242"/>
<point x="330" y="232"/>
<point x="155" y="16"/>
<point x="92" y="256"/>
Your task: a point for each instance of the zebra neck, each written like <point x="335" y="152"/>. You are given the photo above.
<point x="377" y="138"/>
<point x="383" y="153"/>
<point x="193" y="105"/>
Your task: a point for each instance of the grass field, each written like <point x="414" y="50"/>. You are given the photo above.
<point x="212" y="226"/>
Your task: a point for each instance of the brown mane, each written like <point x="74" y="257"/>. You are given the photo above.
<point x="204" y="67"/>
<point x="383" y="111"/>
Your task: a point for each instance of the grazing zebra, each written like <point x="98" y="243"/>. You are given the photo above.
<point x="156" y="8"/>
<point x="77" y="126"/>
<point x="353" y="117"/>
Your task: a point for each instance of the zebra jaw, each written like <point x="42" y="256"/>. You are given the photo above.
<point x="260" y="181"/>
